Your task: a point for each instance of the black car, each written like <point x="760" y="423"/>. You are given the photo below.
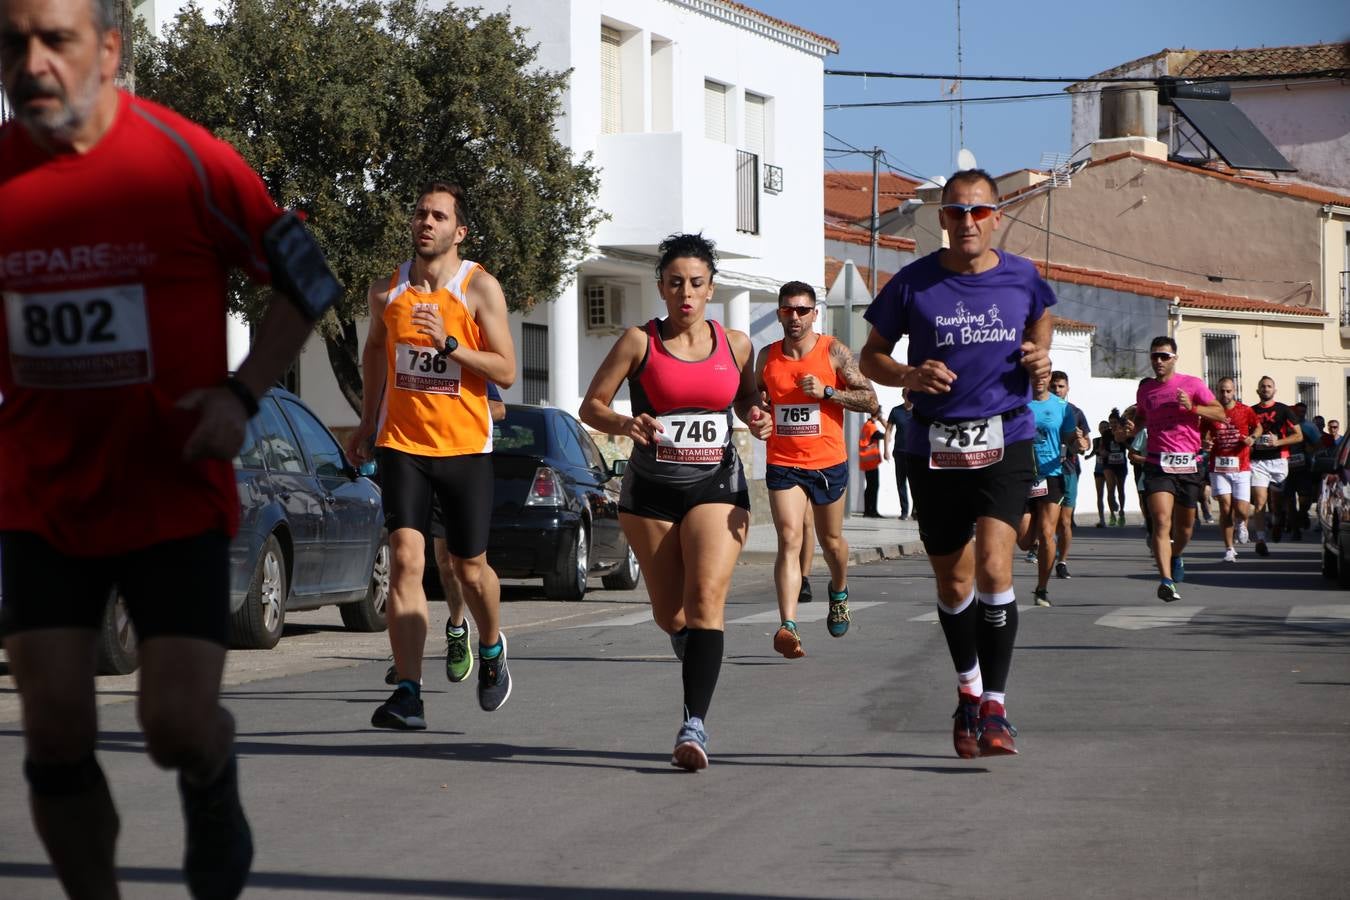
<point x="1333" y="510"/>
<point x="311" y="534"/>
<point x="555" y="514"/>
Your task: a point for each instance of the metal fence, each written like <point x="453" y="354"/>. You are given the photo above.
<point x="747" y="192"/>
<point x="1345" y="299"/>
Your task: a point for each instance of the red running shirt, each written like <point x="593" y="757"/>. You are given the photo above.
<point x="1230" y="436"/>
<point x="113" y="271"/>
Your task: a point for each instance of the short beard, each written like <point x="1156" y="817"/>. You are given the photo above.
<point x="61" y="125"/>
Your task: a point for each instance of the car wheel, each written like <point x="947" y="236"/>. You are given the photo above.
<point x="626" y="576"/>
<point x="117" y="654"/>
<point x="257" y="624"/>
<point x="370" y="614"/>
<point x="569" y="582"/>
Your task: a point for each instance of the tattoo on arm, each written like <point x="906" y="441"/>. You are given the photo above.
<point x="859" y="396"/>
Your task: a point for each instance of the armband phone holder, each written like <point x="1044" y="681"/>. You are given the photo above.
<point x="298" y="268"/>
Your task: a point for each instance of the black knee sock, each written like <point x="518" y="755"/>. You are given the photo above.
<point x="959" y="629"/>
<point x="702" y="664"/>
<point x="995" y="634"/>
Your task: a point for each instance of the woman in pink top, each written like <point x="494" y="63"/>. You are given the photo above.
<point x="1170" y="405"/>
<point x="685" y="506"/>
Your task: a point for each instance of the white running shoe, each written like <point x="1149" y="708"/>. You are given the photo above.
<point x="1241" y="535"/>
<point x="1230" y="555"/>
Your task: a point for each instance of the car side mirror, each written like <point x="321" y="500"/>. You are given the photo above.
<point x="618" y="467"/>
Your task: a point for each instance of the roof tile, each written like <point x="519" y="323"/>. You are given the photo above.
<point x="1187" y="297"/>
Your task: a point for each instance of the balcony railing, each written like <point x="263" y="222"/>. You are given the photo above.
<point x="747" y="192"/>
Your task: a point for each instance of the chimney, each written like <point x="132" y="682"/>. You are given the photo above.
<point x="1129" y="122"/>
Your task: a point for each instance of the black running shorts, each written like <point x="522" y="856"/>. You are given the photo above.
<point x="462" y="484"/>
<point x="1187" y="487"/>
<point x="178" y="588"/>
<point x="655" y="499"/>
<point x="950" y="500"/>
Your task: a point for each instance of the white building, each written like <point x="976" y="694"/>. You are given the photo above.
<point x="704" y="116"/>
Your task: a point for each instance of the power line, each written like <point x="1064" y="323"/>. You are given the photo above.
<point x="1095" y="79"/>
<point x="895" y="104"/>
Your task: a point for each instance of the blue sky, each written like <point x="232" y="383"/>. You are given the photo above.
<point x="1000" y="38"/>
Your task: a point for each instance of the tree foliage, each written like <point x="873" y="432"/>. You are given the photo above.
<point x="345" y="107"/>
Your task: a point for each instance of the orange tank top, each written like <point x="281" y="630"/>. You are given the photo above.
<point x="431" y="406"/>
<point x="807" y="433"/>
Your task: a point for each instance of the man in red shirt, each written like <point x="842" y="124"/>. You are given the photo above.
<point x="119" y="424"/>
<point x="1229" y="444"/>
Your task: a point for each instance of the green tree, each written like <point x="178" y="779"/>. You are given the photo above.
<point x="344" y="107"/>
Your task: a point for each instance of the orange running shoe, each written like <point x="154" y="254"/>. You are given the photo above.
<point x="966" y="727"/>
<point x="996" y="732"/>
<point x="787" y="642"/>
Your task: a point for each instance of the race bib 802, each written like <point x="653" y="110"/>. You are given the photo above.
<point x="95" y="337"/>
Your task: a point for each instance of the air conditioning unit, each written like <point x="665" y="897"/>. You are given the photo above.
<point x="603" y="307"/>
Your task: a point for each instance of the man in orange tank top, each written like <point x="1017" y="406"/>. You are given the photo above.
<point x="808" y="380"/>
<point x="438" y="334"/>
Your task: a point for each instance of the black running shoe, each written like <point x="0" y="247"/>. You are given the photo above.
<point x="1262" y="549"/>
<point x="1062" y="570"/>
<point x="804" y="595"/>
<point x="494" y="680"/>
<point x="219" y="849"/>
<point x="402" y="711"/>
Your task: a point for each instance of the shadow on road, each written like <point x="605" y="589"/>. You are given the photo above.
<point x="368" y="886"/>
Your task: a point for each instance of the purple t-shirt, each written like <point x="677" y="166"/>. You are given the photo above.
<point x="974" y="324"/>
<point x="1171" y="427"/>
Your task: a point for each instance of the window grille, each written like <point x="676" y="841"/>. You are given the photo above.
<point x="534" y="363"/>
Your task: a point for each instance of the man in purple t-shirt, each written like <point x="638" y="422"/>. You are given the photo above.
<point x="1171" y="405"/>
<point x="979" y="328"/>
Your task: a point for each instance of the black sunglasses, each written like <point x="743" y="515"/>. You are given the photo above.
<point x="796" y="310"/>
<point x="1162" y="356"/>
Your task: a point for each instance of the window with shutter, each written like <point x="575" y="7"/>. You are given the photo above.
<point x="1221" y="360"/>
<point x="715" y="111"/>
<point x="756" y="140"/>
<point x="611" y="107"/>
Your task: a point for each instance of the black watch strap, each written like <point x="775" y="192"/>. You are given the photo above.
<point x="450" y="346"/>
<point x="244" y="395"/>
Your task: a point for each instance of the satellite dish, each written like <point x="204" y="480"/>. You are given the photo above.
<point x="937" y="181"/>
<point x="965" y="160"/>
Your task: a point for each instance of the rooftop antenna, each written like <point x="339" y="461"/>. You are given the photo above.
<point x="960" y="89"/>
<point x="1060" y="168"/>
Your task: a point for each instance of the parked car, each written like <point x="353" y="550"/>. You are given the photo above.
<point x="1333" y="510"/>
<point x="555" y="514"/>
<point x="311" y="534"/>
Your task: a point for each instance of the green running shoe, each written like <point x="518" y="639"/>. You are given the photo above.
<point x="838" y="619"/>
<point x="458" y="656"/>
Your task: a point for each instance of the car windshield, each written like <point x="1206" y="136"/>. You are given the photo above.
<point x="521" y="433"/>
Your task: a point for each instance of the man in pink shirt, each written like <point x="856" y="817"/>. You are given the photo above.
<point x="1170" y="405"/>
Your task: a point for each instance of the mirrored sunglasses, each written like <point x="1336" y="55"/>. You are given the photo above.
<point x="978" y="211"/>
<point x="798" y="311"/>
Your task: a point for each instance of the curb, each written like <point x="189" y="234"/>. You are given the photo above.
<point x="858" y="556"/>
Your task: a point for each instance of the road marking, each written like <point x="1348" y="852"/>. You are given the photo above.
<point x="636" y="618"/>
<point x="1138" y="618"/>
<point x="1317" y="615"/>
<point x="930" y="616"/>
<point x="813" y="612"/>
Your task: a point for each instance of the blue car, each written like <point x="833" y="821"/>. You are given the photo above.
<point x="311" y="534"/>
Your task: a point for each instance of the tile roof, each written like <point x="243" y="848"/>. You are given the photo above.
<point x="848" y="195"/>
<point x="1068" y="324"/>
<point x="834" y="266"/>
<point x="1274" y="61"/>
<point x="1188" y="297"/>
<point x="854" y="235"/>
<point x="751" y="11"/>
<point x="1292" y="189"/>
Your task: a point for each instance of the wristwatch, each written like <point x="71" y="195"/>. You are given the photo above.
<point x="829" y="392"/>
<point x="451" y="345"/>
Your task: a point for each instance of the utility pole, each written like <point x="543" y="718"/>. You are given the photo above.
<point x="876" y="224"/>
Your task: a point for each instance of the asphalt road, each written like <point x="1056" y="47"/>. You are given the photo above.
<point x="1196" y="749"/>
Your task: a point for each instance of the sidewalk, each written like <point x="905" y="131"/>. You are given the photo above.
<point x="868" y="540"/>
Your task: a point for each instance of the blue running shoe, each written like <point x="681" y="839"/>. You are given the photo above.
<point x="1178" y="569"/>
<point x="691" y="745"/>
<point x="838" y="619"/>
<point x="402" y="711"/>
